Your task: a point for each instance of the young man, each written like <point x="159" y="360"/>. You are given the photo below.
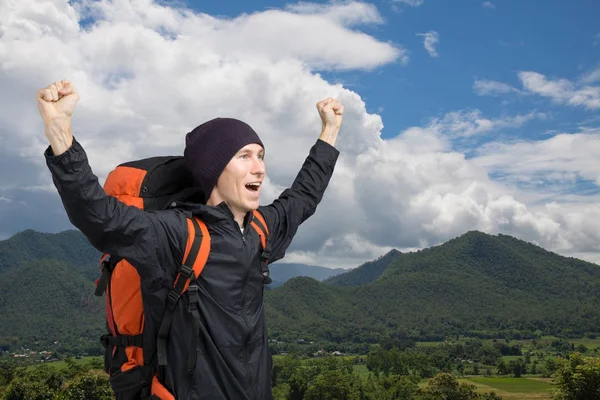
<point x="225" y="157"/>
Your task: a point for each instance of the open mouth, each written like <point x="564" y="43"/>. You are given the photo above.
<point x="253" y="187"/>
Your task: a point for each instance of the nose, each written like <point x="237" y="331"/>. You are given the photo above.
<point x="258" y="166"/>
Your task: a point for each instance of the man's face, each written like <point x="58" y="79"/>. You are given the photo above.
<point x="239" y="183"/>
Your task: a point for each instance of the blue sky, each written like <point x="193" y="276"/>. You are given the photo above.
<point x="460" y="115"/>
<point x="476" y="41"/>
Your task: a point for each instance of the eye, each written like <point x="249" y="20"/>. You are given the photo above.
<point x="261" y="157"/>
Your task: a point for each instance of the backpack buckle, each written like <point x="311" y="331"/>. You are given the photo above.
<point x="186" y="271"/>
<point x="192" y="298"/>
<point x="174" y="296"/>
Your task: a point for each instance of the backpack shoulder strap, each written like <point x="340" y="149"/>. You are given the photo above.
<point x="196" y="254"/>
<point x="194" y="260"/>
<point x="260" y="226"/>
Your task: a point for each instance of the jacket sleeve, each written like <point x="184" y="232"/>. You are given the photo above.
<point x="297" y="203"/>
<point x="148" y="240"/>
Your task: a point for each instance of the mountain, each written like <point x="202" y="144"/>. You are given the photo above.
<point x="475" y="284"/>
<point x="46" y="292"/>
<point x="366" y="273"/>
<point x="48" y="305"/>
<point x="282" y="272"/>
<point x="69" y="247"/>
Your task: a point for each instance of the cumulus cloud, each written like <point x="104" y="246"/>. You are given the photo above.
<point x="148" y="73"/>
<point x="488" y="5"/>
<point x="560" y="160"/>
<point x="430" y="40"/>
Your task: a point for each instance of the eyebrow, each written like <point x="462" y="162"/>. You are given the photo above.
<point x="247" y="151"/>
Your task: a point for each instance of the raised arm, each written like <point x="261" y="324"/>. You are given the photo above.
<point x="147" y="240"/>
<point x="297" y="203"/>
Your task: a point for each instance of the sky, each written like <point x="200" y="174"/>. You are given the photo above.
<point x="459" y="116"/>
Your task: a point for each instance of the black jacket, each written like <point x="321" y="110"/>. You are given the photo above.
<point x="233" y="361"/>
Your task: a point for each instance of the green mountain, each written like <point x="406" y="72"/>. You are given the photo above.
<point x="366" y="273"/>
<point x="69" y="247"/>
<point x="282" y="272"/>
<point x="476" y="284"/>
<point x="48" y="305"/>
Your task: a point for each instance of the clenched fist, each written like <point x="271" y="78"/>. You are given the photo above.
<point x="57" y="101"/>
<point x="56" y="104"/>
<point x="331" y="112"/>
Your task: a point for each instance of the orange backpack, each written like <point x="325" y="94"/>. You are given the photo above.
<point x="135" y="348"/>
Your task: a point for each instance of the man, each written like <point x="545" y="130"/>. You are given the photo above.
<point x="225" y="157"/>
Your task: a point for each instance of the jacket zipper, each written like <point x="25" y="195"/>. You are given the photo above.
<point x="248" y="334"/>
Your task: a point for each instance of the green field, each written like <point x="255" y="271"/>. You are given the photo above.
<point x="62" y="364"/>
<point x="513" y="388"/>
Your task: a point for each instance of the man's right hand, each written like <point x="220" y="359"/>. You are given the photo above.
<point x="56" y="104"/>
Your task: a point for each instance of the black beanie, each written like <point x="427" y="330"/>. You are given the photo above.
<point x="210" y="147"/>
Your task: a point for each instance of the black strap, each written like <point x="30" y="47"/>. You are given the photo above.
<point x="123" y="340"/>
<point x="266" y="253"/>
<point x="108" y="265"/>
<point x="264" y="263"/>
<point x="185" y="273"/>
<point x="193" y="309"/>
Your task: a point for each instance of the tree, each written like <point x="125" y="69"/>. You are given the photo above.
<point x="502" y="367"/>
<point x="88" y="387"/>
<point x="517" y="367"/>
<point x="444" y="386"/>
<point x="577" y="378"/>
<point x="332" y="385"/>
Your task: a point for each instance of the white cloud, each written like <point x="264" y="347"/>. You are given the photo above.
<point x="489" y="5"/>
<point x="412" y="3"/>
<point x="469" y="123"/>
<point x="562" y="91"/>
<point x="148" y="74"/>
<point x="431" y="39"/>
<point x="347" y="14"/>
<point x="557" y="161"/>
<point x="5" y="199"/>
<point x="591" y="76"/>
<point x="485" y="87"/>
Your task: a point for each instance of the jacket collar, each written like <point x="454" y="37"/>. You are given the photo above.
<point x="212" y="214"/>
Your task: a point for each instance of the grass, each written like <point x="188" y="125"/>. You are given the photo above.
<point x="519" y="385"/>
<point x="513" y="388"/>
<point x="362" y="370"/>
<point x="63" y="365"/>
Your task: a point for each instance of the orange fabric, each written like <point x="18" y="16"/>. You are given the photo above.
<point x="190" y="241"/>
<point x="160" y="391"/>
<point x="203" y="252"/>
<point x="259" y="216"/>
<point x="135" y="358"/>
<point x="260" y="232"/>
<point x="131" y="201"/>
<point x="128" y="309"/>
<point x="125" y="183"/>
<point x="188" y="247"/>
